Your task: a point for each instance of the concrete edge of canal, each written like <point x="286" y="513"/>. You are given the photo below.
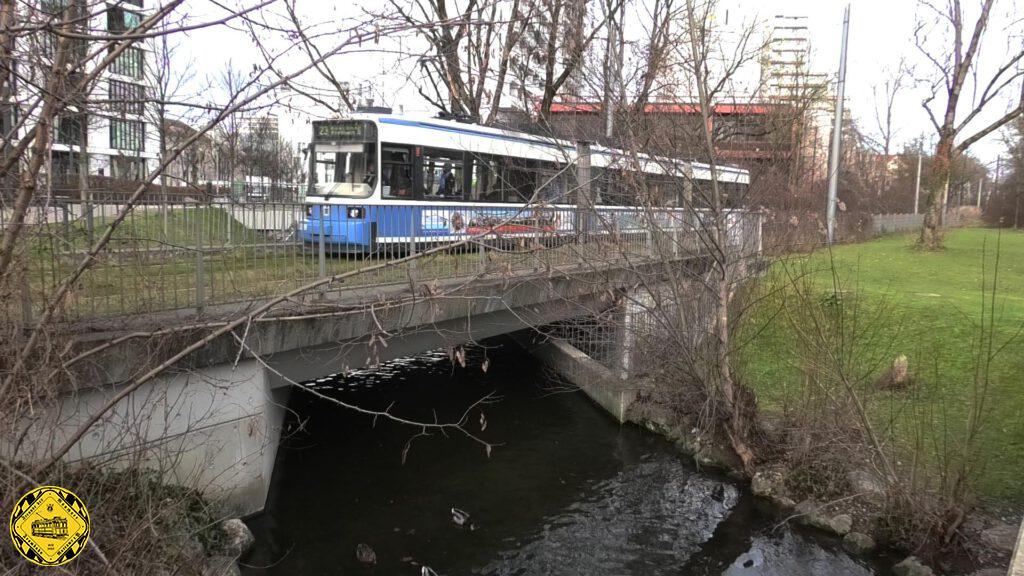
<point x="1017" y="561"/>
<point x="611" y="393"/>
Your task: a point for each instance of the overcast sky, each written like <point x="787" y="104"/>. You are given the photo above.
<point x="881" y="33"/>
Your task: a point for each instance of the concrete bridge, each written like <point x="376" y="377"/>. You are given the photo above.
<point x="213" y="419"/>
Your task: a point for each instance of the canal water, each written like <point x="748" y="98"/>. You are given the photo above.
<point x="566" y="490"/>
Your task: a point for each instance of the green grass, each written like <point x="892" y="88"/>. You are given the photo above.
<point x="928" y="306"/>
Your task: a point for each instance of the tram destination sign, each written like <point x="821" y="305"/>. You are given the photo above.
<point x="344" y="131"/>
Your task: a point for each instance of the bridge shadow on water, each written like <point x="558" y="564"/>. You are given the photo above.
<point x="567" y="491"/>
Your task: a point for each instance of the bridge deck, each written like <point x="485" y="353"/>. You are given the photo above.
<point x="345" y="324"/>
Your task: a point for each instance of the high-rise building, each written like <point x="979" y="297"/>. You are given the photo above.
<point x="263" y="126"/>
<point x="105" y="131"/>
<point x="788" y="81"/>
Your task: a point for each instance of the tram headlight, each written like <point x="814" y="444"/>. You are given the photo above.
<point x="356" y="212"/>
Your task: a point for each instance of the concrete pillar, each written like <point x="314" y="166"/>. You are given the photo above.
<point x="596" y="381"/>
<point x="215" y="429"/>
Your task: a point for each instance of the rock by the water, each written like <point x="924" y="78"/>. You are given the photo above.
<point x="221" y="566"/>
<point x="365" y="554"/>
<point x="841" y="524"/>
<point x="813" y="514"/>
<point x="857" y="543"/>
<point x="911" y="566"/>
<point x="1002" y="537"/>
<point x="807" y="507"/>
<point x="238" y="539"/>
<point x="761" y="484"/>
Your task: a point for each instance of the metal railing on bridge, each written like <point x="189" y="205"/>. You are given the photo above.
<point x="192" y="254"/>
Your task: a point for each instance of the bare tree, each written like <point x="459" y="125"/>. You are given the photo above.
<point x="471" y="52"/>
<point x="952" y="44"/>
<point x="169" y="75"/>
<point x="562" y="45"/>
<point x="657" y="59"/>
<point x="885" y="101"/>
<point x="701" y="51"/>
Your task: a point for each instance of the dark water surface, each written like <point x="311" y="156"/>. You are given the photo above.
<point x="568" y="491"/>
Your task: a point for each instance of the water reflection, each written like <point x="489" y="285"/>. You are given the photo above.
<point x="568" y="491"/>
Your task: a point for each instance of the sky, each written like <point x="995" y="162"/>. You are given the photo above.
<point x="881" y="34"/>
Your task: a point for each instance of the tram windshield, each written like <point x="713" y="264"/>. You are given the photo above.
<point x="347" y="170"/>
<point x="344" y="159"/>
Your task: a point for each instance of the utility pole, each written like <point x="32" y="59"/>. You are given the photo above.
<point x="837" y="133"/>
<point x="610" y="52"/>
<point x="614" y="54"/>
<point x="917" y="184"/>
<point x="995" y="181"/>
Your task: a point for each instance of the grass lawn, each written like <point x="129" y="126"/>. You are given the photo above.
<point x="927" y="306"/>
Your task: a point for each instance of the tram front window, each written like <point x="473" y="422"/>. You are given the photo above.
<point x="347" y="170"/>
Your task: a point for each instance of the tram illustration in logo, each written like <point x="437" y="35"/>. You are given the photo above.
<point x="56" y="527"/>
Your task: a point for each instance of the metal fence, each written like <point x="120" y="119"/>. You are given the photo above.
<point x="893" y="223"/>
<point x="193" y="254"/>
<point x="794" y="231"/>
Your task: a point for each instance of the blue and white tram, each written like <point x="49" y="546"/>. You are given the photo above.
<point x="380" y="180"/>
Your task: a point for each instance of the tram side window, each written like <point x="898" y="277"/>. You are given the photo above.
<point x="618" y="188"/>
<point x="486" y="184"/>
<point x="442" y="174"/>
<point x="662" y="191"/>
<point x="396" y="170"/>
<point x="552" y="181"/>
<point x="736" y="195"/>
<point x="518" y="179"/>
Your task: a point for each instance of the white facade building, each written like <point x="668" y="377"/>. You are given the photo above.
<point x="122" y="140"/>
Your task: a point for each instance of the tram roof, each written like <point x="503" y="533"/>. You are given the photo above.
<point x="489" y="140"/>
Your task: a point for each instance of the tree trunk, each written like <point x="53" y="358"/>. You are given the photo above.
<point x="931" y="232"/>
<point x="733" y="394"/>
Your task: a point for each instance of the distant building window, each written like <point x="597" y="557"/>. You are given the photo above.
<point x="129" y="63"/>
<point x="65" y="167"/>
<point x="126" y="98"/>
<point x="120" y="20"/>
<point x="126" y="134"/>
<point x="53" y="7"/>
<point x="128" y="167"/>
<point x="69" y="129"/>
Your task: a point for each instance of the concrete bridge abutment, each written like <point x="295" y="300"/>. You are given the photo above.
<point x="215" y="429"/>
